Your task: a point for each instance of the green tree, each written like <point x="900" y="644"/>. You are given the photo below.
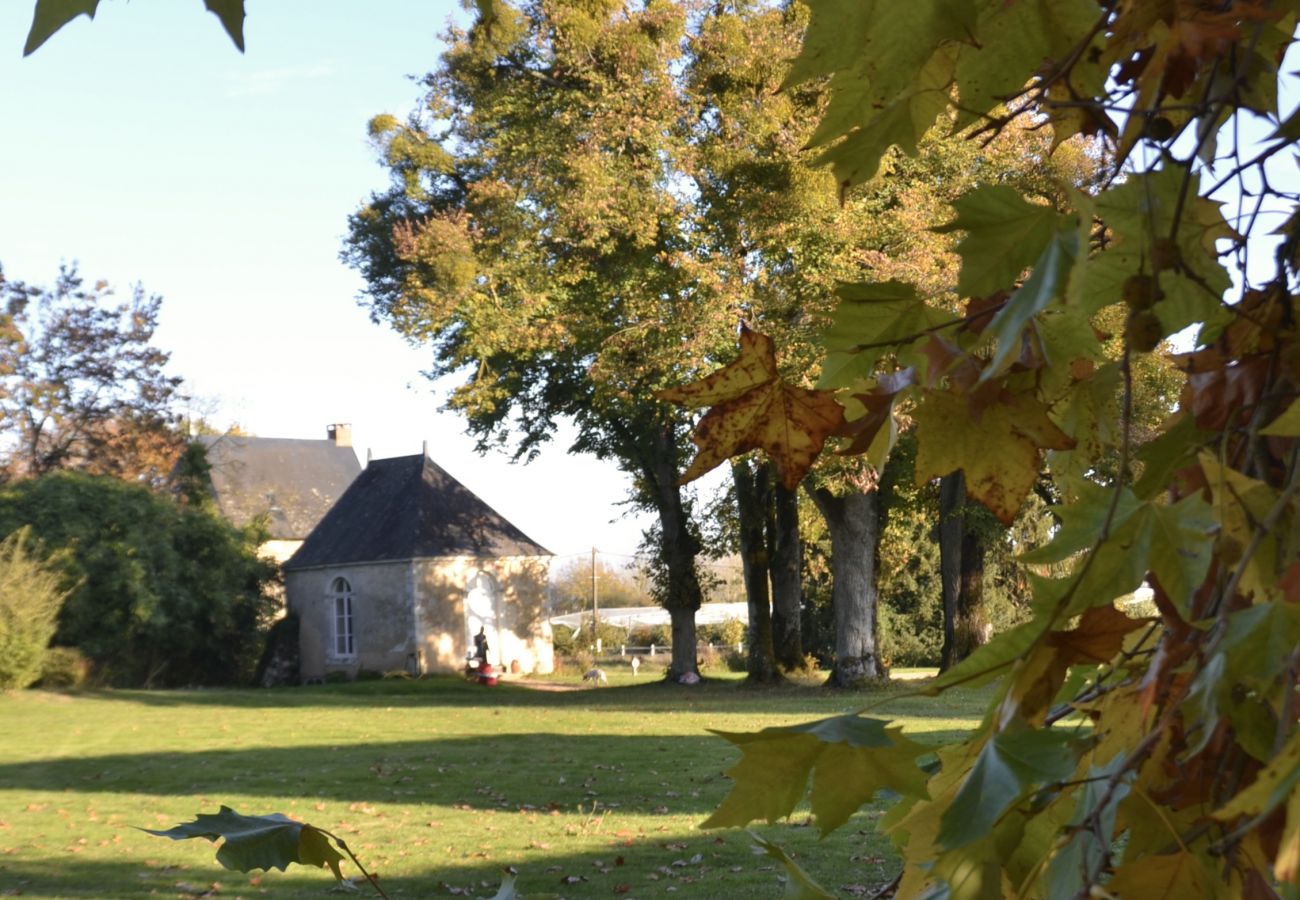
<point x="81" y="385"/>
<point x="572" y="585"/>
<point x="166" y="594"/>
<point x="32" y="591"/>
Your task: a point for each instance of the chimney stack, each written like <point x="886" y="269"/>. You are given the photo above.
<point x="340" y="434"/>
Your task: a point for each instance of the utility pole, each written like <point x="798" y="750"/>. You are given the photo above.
<point x="595" y="605"/>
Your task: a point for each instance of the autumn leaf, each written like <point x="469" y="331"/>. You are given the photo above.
<point x="753" y="408"/>
<point x="259" y="842"/>
<point x="1000" y="449"/>
<point x="51" y="15"/>
<point x="849" y="758"/>
<point x="1169" y="877"/>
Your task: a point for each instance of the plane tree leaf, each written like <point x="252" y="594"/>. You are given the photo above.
<point x="871" y="321"/>
<point x="231" y="14"/>
<point x="754" y="408"/>
<point x="849" y="759"/>
<point x="272" y="841"/>
<point x="51" y="15"/>
<point x="999" y="447"/>
<point x="1005" y="233"/>
<point x="1011" y="765"/>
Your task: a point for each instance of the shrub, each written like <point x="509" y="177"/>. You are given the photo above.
<point x="563" y="642"/>
<point x="63" y="668"/>
<point x="165" y="593"/>
<point x="736" y="661"/>
<point x="728" y="633"/>
<point x="31" y="594"/>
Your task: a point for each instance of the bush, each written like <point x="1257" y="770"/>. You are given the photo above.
<point x="166" y="593"/>
<point x="562" y="641"/>
<point x="736" y="661"/>
<point x="645" y="635"/>
<point x="728" y="633"/>
<point x="31" y="594"/>
<point x="64" y="668"/>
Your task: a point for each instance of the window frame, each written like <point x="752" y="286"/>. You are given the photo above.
<point x="342" y="612"/>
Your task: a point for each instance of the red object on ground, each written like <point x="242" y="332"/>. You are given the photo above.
<point x="486" y="675"/>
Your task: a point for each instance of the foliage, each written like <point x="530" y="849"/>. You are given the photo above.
<point x="81" y="385"/>
<point x="166" y="593"/>
<point x="51" y="15"/>
<point x="64" y="668"/>
<point x="1185" y="783"/>
<point x="32" y="592"/>
<point x="728" y="633"/>
<point x="615" y="587"/>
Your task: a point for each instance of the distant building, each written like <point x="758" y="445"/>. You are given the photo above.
<point x="404" y="570"/>
<point x="291" y="482"/>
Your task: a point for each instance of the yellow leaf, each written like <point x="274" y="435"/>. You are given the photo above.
<point x="999" y="447"/>
<point x="1174" y="876"/>
<point x="1285" y="425"/>
<point x="754" y="409"/>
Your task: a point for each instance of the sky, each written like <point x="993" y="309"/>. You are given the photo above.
<point x="144" y="147"/>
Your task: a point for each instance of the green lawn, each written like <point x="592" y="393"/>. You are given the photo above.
<point x="435" y="784"/>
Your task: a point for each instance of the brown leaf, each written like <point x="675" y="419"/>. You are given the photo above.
<point x="754" y="409"/>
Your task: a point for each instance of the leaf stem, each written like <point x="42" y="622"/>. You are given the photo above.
<point x="343" y="845"/>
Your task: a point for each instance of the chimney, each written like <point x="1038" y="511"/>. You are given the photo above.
<point x="340" y="434"/>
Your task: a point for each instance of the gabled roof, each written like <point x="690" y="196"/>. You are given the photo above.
<point x="405" y="508"/>
<point x="293" y="482"/>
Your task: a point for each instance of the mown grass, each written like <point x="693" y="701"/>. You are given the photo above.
<point x="436" y="784"/>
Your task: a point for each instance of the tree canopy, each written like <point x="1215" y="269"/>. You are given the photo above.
<point x="82" y="386"/>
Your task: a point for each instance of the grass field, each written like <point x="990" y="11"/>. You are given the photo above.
<point x="436" y="784"/>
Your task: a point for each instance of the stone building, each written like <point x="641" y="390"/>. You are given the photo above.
<point x="291" y="482"/>
<point x="406" y="568"/>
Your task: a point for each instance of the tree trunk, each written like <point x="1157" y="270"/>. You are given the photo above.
<point x="785" y="561"/>
<point x="752" y="494"/>
<point x="952" y="497"/>
<point x="678" y="546"/>
<point x="853" y="522"/>
<point x="969" y="626"/>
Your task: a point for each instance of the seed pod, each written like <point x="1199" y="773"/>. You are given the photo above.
<point x="1165" y="254"/>
<point x="1141" y="291"/>
<point x="1159" y="129"/>
<point x="1144" y="331"/>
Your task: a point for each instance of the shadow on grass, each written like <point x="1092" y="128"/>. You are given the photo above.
<point x="499" y="772"/>
<point x="716" y="864"/>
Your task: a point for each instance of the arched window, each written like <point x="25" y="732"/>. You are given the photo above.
<point x="342" y="632"/>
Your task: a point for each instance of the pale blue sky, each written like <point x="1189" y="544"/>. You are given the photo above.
<point x="145" y="147"/>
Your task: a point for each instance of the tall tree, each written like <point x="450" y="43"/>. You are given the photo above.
<point x="538" y="236"/>
<point x="82" y="387"/>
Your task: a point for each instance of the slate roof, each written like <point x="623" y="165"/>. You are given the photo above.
<point x="294" y="482"/>
<point x="408" y="507"/>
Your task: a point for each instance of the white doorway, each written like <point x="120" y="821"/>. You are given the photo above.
<point x="481" y="606"/>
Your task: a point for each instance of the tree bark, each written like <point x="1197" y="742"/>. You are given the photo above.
<point x="969" y="629"/>
<point x="752" y="493"/>
<point x="952" y="497"/>
<point x="679" y="546"/>
<point x="785" y="561"/>
<point x="853" y="522"/>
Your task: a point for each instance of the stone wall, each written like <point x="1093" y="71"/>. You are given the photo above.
<point x="388" y="630"/>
